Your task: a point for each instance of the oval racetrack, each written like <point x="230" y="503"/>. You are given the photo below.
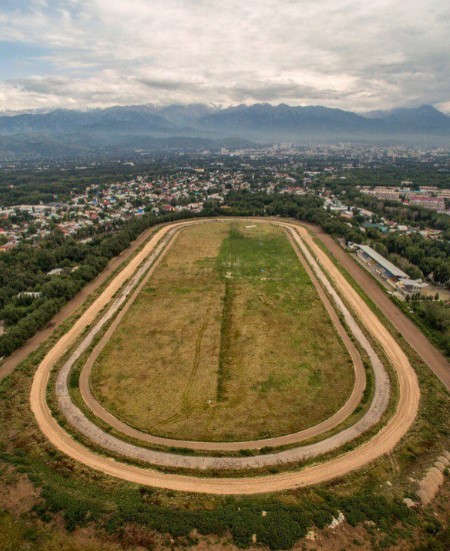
<point x="288" y="439"/>
<point x="383" y="442"/>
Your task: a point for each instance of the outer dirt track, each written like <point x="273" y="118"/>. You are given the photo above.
<point x="412" y="334"/>
<point x="201" y="463"/>
<point x="383" y="442"/>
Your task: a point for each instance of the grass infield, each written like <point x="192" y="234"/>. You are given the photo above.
<point x="228" y="340"/>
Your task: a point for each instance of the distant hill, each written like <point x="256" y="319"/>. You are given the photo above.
<point x="283" y="121"/>
<point x="423" y="118"/>
<point x="135" y="126"/>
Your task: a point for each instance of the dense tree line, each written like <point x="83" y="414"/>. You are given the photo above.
<point x="24" y="269"/>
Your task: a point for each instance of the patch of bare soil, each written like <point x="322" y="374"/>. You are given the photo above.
<point x="17" y="493"/>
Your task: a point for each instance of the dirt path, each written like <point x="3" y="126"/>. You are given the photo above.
<point x="411" y="333"/>
<point x="13" y="360"/>
<point x="294" y="438"/>
<point x="383" y="442"/>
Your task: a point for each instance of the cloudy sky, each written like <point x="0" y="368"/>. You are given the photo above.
<point x="352" y="54"/>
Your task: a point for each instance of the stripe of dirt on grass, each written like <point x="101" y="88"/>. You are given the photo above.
<point x="225" y="341"/>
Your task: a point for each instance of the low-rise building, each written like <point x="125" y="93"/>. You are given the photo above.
<point x="387" y="270"/>
<point x="382" y="265"/>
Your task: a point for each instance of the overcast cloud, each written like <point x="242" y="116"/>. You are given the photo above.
<point x="352" y="54"/>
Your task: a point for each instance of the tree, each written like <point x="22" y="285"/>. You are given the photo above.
<point x="442" y="271"/>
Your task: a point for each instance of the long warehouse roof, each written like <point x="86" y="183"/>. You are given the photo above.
<point x="391" y="268"/>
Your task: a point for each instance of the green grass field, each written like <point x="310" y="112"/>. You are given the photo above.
<point x="227" y="341"/>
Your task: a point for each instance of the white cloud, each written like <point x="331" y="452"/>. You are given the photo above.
<point x="350" y="54"/>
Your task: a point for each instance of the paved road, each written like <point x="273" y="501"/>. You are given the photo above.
<point x="412" y="334"/>
<point x="383" y="442"/>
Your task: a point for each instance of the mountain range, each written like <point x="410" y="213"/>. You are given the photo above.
<point x="65" y="132"/>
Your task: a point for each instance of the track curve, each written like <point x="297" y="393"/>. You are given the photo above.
<point x="381" y="443"/>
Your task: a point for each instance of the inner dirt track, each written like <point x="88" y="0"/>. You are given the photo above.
<point x="383" y="442"/>
<point x="107" y="441"/>
<point x="288" y="439"/>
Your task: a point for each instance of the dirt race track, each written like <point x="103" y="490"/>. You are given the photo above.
<point x="412" y="334"/>
<point x="383" y="442"/>
<point x="111" y="443"/>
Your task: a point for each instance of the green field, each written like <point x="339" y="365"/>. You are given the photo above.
<point x="228" y="340"/>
